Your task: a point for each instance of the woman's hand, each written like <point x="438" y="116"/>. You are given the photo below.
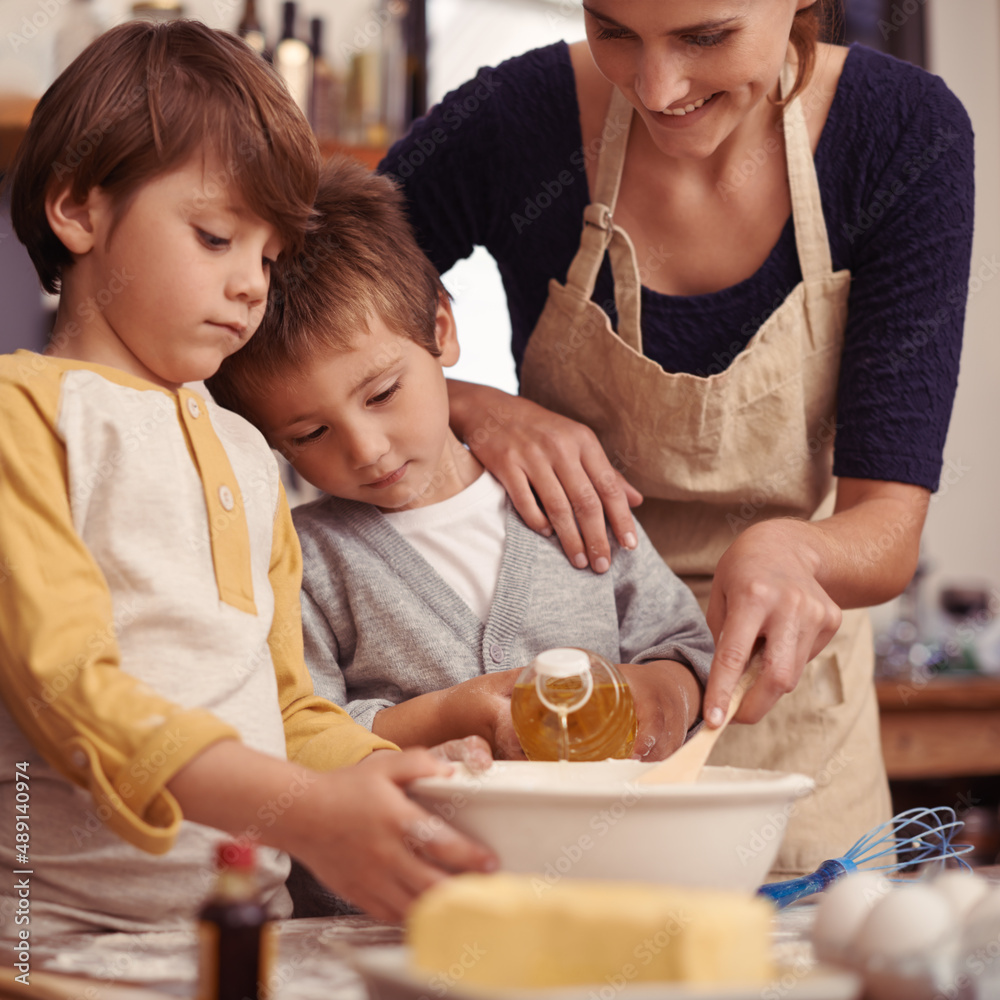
<point x="786" y="580"/>
<point x="553" y="468"/>
<point x="667" y="697"/>
<point x="765" y="586"/>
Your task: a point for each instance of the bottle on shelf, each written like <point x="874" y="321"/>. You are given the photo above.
<point x="416" y="61"/>
<point x="293" y="60"/>
<point x="393" y="58"/>
<point x="236" y="941"/>
<point x="79" y="28"/>
<point x="157" y="10"/>
<point x="251" y="30"/>
<point x="325" y="94"/>
<point x="573" y="704"/>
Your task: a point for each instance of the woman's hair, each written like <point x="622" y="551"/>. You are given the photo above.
<point x="810" y="25"/>
<point x="361" y="260"/>
<point x="141" y="100"/>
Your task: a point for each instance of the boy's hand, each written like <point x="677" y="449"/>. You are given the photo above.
<point x="667" y="699"/>
<point x="359" y="834"/>
<point x="483" y="705"/>
<point x="472" y="751"/>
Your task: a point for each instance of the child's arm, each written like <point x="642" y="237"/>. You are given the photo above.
<point x="318" y="733"/>
<point x="479" y="706"/>
<point x="61" y="678"/>
<point x="354" y="828"/>
<point x="665" y="645"/>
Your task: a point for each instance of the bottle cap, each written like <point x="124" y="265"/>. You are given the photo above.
<point x="232" y="854"/>
<point x="562" y="662"/>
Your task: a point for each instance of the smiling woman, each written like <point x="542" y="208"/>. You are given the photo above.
<point x="720" y="240"/>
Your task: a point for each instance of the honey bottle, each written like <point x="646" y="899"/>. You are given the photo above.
<point x="236" y="941"/>
<point x="573" y="704"/>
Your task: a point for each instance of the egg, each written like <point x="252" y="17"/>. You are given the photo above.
<point x="964" y="889"/>
<point x="910" y="919"/>
<point x="982" y="924"/>
<point x="841" y="911"/>
<point x="907" y="947"/>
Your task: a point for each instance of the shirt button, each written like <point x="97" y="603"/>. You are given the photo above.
<point x="193" y="408"/>
<point x="226" y="497"/>
<point x="496" y="652"/>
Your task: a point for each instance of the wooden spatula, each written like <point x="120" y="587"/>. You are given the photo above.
<point x="684" y="765"/>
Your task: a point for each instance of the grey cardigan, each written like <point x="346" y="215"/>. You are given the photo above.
<point x="381" y="626"/>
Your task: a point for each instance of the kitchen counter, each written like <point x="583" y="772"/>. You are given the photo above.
<point x="941" y="726"/>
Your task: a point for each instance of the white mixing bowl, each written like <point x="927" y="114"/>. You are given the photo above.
<point x="590" y="820"/>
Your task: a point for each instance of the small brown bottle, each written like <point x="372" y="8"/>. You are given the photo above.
<point x="249" y="28"/>
<point x="235" y="939"/>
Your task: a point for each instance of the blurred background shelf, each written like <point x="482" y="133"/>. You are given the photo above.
<point x="941" y="727"/>
<point x="15" y="113"/>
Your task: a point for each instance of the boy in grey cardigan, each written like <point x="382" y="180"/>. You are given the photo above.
<point x="424" y="593"/>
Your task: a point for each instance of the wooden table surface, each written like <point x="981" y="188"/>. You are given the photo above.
<point x="941" y="726"/>
<point x="313" y="961"/>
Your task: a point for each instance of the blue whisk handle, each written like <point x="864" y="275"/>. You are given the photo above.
<point x="783" y="893"/>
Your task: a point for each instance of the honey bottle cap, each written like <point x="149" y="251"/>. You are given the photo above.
<point x="562" y="662"/>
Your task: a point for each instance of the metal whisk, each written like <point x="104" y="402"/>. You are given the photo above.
<point x="927" y="836"/>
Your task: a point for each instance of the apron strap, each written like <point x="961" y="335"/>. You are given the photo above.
<point x="611" y="160"/>
<point x="811" y="238"/>
<point x="601" y="235"/>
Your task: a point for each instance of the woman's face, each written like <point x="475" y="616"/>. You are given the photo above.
<point x="695" y="70"/>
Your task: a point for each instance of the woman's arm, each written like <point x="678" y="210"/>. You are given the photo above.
<point x="786" y="580"/>
<point x="553" y="469"/>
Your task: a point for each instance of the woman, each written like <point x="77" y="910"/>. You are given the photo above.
<point x="788" y="227"/>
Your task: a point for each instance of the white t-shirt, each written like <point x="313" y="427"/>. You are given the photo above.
<point x="462" y="538"/>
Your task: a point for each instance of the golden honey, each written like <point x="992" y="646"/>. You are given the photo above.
<point x="564" y="729"/>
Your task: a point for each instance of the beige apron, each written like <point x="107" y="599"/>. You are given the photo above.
<point x="715" y="455"/>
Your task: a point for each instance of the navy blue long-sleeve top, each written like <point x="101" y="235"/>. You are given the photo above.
<point x="499" y="163"/>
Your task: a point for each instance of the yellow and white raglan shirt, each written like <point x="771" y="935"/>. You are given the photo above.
<point x="149" y="607"/>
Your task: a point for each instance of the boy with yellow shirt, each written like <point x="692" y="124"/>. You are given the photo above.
<point x="153" y="687"/>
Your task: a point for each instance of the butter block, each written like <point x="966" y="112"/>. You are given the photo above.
<point x="520" y="931"/>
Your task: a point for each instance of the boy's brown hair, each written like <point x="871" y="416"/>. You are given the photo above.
<point x="141" y="100"/>
<point x="360" y="260"/>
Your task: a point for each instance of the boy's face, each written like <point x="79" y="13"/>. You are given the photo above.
<point x="371" y="423"/>
<point x="179" y="284"/>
